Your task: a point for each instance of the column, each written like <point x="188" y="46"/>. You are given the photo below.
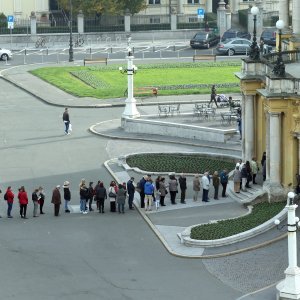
<point x="249" y="127"/>
<point x="267" y="146"/>
<point x="243" y="127"/>
<point x="173" y="22"/>
<point x="180" y="6"/>
<point x="221" y="16"/>
<point x="33" y="23"/>
<point x="127" y="21"/>
<point x="296" y="16"/>
<point x="208" y="6"/>
<point x="284" y="11"/>
<point x="234" y="5"/>
<point x="275" y="148"/>
<point x="80" y="22"/>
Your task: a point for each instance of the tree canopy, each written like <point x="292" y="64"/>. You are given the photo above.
<point x="113" y="7"/>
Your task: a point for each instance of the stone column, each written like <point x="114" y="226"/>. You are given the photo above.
<point x="173" y="21"/>
<point x="127" y="21"/>
<point x="228" y="20"/>
<point x="221" y="16"/>
<point x="267" y="146"/>
<point x="275" y="148"/>
<point x="249" y="127"/>
<point x="243" y="127"/>
<point x="33" y="23"/>
<point x="180" y="6"/>
<point x="208" y="6"/>
<point x="284" y="11"/>
<point x="296" y="17"/>
<point x="234" y="4"/>
<point x="80" y="22"/>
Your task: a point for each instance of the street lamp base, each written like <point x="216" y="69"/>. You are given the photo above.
<point x="289" y="288"/>
<point x="130" y="110"/>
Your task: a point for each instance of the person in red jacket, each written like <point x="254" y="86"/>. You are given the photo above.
<point x="23" y="200"/>
<point x="10" y="200"/>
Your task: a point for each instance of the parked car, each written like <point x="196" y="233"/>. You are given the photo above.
<point x="268" y="36"/>
<point x="204" y="40"/>
<point x="234" y="46"/>
<point x="235" y="33"/>
<point x="5" y="54"/>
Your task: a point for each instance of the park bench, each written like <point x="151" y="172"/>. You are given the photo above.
<point x="163" y="110"/>
<point x="204" y="57"/>
<point x="95" y="60"/>
<point x="148" y="90"/>
<point x="175" y="109"/>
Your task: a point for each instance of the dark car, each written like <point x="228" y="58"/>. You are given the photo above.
<point x="204" y="40"/>
<point x="235" y="33"/>
<point x="268" y="36"/>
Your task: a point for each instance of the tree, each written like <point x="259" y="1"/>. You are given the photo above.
<point x="113" y="7"/>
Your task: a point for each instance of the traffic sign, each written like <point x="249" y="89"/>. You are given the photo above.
<point x="200" y="13"/>
<point x="10" y="22"/>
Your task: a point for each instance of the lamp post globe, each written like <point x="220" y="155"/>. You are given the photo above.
<point x="280" y="24"/>
<point x="254" y="10"/>
<point x="254" y="49"/>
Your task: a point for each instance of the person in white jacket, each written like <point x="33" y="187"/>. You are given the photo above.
<point x="205" y="186"/>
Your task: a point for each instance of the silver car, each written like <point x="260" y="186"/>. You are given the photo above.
<point x="5" y="54"/>
<point x="234" y="46"/>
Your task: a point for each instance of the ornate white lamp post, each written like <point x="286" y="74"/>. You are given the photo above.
<point x="254" y="49"/>
<point x="130" y="103"/>
<point x="279" y="68"/>
<point x="289" y="288"/>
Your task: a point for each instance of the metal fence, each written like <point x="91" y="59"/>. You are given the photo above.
<point x="150" y="22"/>
<point x="103" y="23"/>
<point x="193" y="22"/>
<point x="21" y="26"/>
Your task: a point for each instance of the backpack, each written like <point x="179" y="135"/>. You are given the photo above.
<point x="5" y="197"/>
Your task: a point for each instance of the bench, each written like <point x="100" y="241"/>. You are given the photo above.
<point x="148" y="90"/>
<point x="163" y="110"/>
<point x="95" y="60"/>
<point x="175" y="108"/>
<point x="204" y="57"/>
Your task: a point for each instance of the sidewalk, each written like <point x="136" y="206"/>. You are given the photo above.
<point x="170" y="220"/>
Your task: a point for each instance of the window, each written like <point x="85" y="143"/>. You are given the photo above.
<point x="154" y="1"/>
<point x="193" y="1"/>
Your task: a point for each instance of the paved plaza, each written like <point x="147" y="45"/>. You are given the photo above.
<point x="111" y="256"/>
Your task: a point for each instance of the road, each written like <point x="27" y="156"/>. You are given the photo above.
<point x="80" y="256"/>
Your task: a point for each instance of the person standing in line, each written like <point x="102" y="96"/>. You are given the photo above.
<point x="41" y="199"/>
<point x="216" y="184"/>
<point x="56" y="200"/>
<point x="112" y="195"/>
<point x="173" y="188"/>
<point x="67" y="195"/>
<point x="149" y="190"/>
<point x="244" y="176"/>
<point x="183" y="187"/>
<point x="263" y="159"/>
<point x="224" y="181"/>
<point x="237" y="177"/>
<point x="83" y="193"/>
<point x="35" y="200"/>
<point x="91" y="194"/>
<point x="96" y="189"/>
<point x="213" y="95"/>
<point x="205" y="186"/>
<point x="142" y="192"/>
<point x="130" y="191"/>
<point x="162" y="191"/>
<point x="249" y="174"/>
<point x="23" y="200"/>
<point x="196" y="187"/>
<point x="121" y="197"/>
<point x="10" y="200"/>
<point x="254" y="168"/>
<point x="66" y="120"/>
<point x="100" y="196"/>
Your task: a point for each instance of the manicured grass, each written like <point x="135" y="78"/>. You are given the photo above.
<point x="178" y="163"/>
<point x="107" y="82"/>
<point x="261" y="213"/>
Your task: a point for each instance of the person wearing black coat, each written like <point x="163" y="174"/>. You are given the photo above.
<point x="67" y="195"/>
<point x="182" y="184"/>
<point x="100" y="195"/>
<point x="130" y="191"/>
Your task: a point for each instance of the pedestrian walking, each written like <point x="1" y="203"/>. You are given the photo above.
<point x="41" y="199"/>
<point x="9" y="197"/>
<point x="162" y="191"/>
<point x="237" y="177"/>
<point x="112" y="195"/>
<point x="213" y="95"/>
<point x="83" y="193"/>
<point x="196" y="187"/>
<point x="205" y="187"/>
<point x="67" y="195"/>
<point x="66" y="120"/>
<point x="35" y="200"/>
<point x="224" y="181"/>
<point x="100" y="196"/>
<point x="173" y="188"/>
<point x="183" y="187"/>
<point x="130" y="191"/>
<point x="56" y="200"/>
<point x="121" y="197"/>
<point x="23" y="201"/>
<point x="91" y="194"/>
<point x="216" y="184"/>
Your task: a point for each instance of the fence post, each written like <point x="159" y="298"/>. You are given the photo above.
<point x="127" y="21"/>
<point x="173" y="21"/>
<point x="33" y="23"/>
<point x="80" y="22"/>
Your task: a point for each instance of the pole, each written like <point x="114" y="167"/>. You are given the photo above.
<point x="71" y="52"/>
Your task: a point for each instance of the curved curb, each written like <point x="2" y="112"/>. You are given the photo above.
<point x="169" y="249"/>
<point x="92" y="130"/>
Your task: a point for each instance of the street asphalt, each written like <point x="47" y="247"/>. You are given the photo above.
<point x="88" y="257"/>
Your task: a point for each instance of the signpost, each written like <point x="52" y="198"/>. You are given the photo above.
<point x="10" y="26"/>
<point x="200" y="13"/>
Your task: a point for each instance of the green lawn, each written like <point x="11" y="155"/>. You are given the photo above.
<point x="171" y="79"/>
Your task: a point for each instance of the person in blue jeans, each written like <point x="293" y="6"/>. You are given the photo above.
<point x="83" y="192"/>
<point x="121" y="197"/>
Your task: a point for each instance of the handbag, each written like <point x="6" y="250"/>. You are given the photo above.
<point x="112" y="195"/>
